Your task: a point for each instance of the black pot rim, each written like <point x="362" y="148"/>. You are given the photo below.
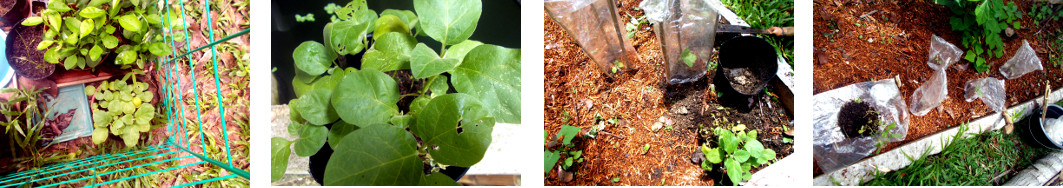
<point x="10" y="49"/>
<point x="1035" y="129"/>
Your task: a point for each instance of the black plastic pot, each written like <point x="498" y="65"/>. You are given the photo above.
<point x="319" y="161"/>
<point x="748" y="53"/>
<point x="18" y="11"/>
<point x="1033" y="131"/>
<point x="18" y="66"/>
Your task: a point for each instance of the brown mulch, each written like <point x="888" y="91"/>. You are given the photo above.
<point x="637" y="98"/>
<point x="892" y="41"/>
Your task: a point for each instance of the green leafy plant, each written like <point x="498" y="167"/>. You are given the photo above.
<point x="21" y="122"/>
<point x="982" y="22"/>
<point x="634" y="24"/>
<point x="356" y="110"/>
<point x="309" y="17"/>
<point x="1043" y="11"/>
<point x="566" y="149"/>
<point x="80" y="34"/>
<point x="617" y="66"/>
<point x="738" y="151"/>
<point x="122" y="109"/>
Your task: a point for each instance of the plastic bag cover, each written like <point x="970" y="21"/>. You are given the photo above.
<point x="933" y="91"/>
<point x="831" y="149"/>
<point x="683" y="26"/>
<point x="1024" y="61"/>
<point x="990" y="90"/>
<point x="568" y="6"/>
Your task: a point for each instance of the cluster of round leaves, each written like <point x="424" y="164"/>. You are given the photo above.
<point x="80" y="33"/>
<point x="737" y="161"/>
<point x="360" y="105"/>
<point x="121" y="109"/>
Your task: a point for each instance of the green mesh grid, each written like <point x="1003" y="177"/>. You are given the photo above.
<point x="174" y="153"/>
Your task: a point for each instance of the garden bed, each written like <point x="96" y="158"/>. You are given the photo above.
<point x="233" y="60"/>
<point x="872" y="40"/>
<point x="578" y="94"/>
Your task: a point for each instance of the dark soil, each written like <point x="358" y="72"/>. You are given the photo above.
<point x="857" y="119"/>
<point x="857" y="41"/>
<point x="577" y="92"/>
<point x="23" y="55"/>
<point x="5" y="6"/>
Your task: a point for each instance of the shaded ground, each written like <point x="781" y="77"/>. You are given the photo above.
<point x="857" y="41"/>
<point x="636" y="98"/>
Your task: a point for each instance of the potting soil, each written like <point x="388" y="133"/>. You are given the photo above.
<point x="857" y="119"/>
<point x="832" y="149"/>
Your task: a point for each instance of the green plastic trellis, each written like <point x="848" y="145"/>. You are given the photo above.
<point x="177" y="146"/>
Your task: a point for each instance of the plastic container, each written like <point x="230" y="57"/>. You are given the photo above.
<point x="748" y="63"/>
<point x="686" y="30"/>
<point x="1034" y="133"/>
<point x="594" y="25"/>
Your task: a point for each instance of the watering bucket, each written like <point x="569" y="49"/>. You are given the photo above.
<point x="1034" y="132"/>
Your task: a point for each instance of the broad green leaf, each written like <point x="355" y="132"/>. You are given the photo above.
<point x="712" y="155"/>
<point x="311" y="138"/>
<point x="338" y="131"/>
<point x="688" y="58"/>
<point x="767" y="154"/>
<point x="32" y="21"/>
<point x="127" y="57"/>
<point x="315" y="107"/>
<point x="346" y="37"/>
<point x="91" y="12"/>
<point x="99" y="136"/>
<point x="734" y="170"/>
<point x="492" y="74"/>
<point x="89" y="90"/>
<point x="419" y="103"/>
<point x="54" y="20"/>
<point x="130" y="135"/>
<point x="59" y="6"/>
<point x="741" y="156"/>
<point x="567" y="133"/>
<point x="71" y="62"/>
<point x="424" y="62"/>
<point x="438" y="179"/>
<point x="390" y="52"/>
<point x="407" y="16"/>
<point x="94" y="55"/>
<point x="448" y="21"/>
<point x="727" y="140"/>
<point x="381" y="155"/>
<point x="551" y="160"/>
<point x="403" y="121"/>
<point x="159" y="49"/>
<point x="144" y="114"/>
<point x="438" y="85"/>
<point x="458" y="51"/>
<point x="130" y="22"/>
<point x="389" y="23"/>
<point x="366" y="97"/>
<point x="110" y="41"/>
<point x="312" y="58"/>
<point x="96" y="3"/>
<point x="754" y="147"/>
<point x="86" y="27"/>
<point x="458" y="126"/>
<point x="280" y="149"/>
<point x="45" y="44"/>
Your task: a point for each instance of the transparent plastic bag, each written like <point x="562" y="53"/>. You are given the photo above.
<point x="686" y="30"/>
<point x="934" y="90"/>
<point x="1024" y="61"/>
<point x="831" y="148"/>
<point x="990" y="90"/>
<point x="594" y="25"/>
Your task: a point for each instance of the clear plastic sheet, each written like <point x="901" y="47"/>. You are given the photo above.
<point x="1024" y="61"/>
<point x="1054" y="129"/>
<point x="990" y="90"/>
<point x="831" y="149"/>
<point x="934" y="90"/>
<point x="686" y="30"/>
<point x="594" y="25"/>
